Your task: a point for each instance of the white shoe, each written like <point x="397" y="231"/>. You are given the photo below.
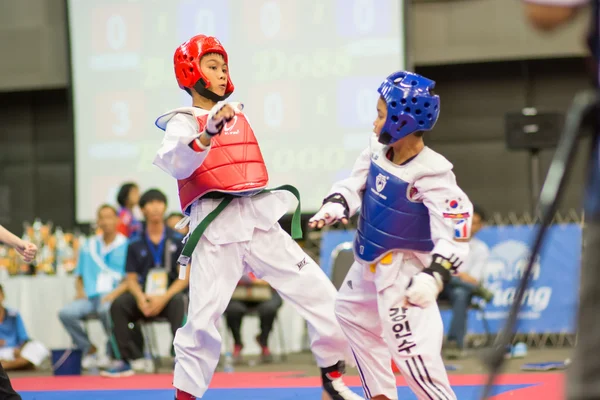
<point x="143" y="365"/>
<point x="104" y="362"/>
<point x="90" y="361"/>
<point x="138" y="365"/>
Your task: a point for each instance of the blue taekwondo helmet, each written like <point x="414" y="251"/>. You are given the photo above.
<point x="411" y="106"/>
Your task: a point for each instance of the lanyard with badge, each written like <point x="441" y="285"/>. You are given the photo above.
<point x="157" y="280"/>
<point x="107" y="278"/>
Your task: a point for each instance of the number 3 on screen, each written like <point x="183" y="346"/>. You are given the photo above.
<point x="121" y="111"/>
<point x="116" y="32"/>
<point x="364" y="15"/>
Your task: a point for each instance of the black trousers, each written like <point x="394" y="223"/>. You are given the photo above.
<point x="266" y="310"/>
<point x="6" y="390"/>
<point x="124" y="310"/>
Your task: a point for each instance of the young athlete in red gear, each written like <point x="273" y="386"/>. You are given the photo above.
<point x="211" y="149"/>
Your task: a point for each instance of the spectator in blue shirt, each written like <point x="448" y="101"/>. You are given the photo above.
<point x="100" y="272"/>
<point x="17" y="351"/>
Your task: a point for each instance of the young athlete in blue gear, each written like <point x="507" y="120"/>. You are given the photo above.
<point x="412" y="234"/>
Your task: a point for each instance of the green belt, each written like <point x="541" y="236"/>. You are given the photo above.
<point x="194" y="238"/>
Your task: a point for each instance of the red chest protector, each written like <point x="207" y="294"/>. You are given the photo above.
<point x="234" y="163"/>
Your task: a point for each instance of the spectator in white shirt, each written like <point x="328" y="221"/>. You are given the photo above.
<point x="464" y="285"/>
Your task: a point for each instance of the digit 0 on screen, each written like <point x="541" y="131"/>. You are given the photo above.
<point x="206" y="17"/>
<point x="357" y="101"/>
<point x="274" y="107"/>
<point x="273" y="110"/>
<point x="272" y="20"/>
<point x="356" y="18"/>
<point x="116" y="37"/>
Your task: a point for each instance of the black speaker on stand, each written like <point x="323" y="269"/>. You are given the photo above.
<point x="533" y="131"/>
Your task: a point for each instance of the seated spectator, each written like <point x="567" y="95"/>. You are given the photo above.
<point x="17" y="351"/>
<point x="464" y="285"/>
<point x="172" y="221"/>
<point x="153" y="287"/>
<point x="266" y="310"/>
<point x="128" y="198"/>
<point x="100" y="271"/>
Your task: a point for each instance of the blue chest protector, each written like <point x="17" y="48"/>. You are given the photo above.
<point x="388" y="220"/>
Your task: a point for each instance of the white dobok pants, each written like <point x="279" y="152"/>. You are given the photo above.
<point x="215" y="271"/>
<point x="370" y="308"/>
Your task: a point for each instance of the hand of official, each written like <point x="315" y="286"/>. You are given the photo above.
<point x="423" y="290"/>
<point x="26" y="250"/>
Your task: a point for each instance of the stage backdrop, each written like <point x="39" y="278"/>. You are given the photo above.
<point x="307" y="72"/>
<point x="550" y="302"/>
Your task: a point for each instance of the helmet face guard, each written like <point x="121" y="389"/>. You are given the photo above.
<point x="411" y="107"/>
<point x="187" y="66"/>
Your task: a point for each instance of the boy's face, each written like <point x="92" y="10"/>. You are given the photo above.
<point x="476" y="224"/>
<point x="214" y="68"/>
<point x="154" y="211"/>
<point x="381" y="116"/>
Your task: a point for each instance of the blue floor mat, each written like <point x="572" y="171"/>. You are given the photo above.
<point x="462" y="392"/>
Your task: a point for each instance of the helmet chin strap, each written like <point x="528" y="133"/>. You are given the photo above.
<point x="384" y="138"/>
<point x="200" y="87"/>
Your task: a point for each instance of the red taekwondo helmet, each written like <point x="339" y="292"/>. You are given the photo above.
<point x="187" y="65"/>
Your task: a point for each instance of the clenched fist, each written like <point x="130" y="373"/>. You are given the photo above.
<point x="423" y="289"/>
<point x="220" y="114"/>
<point x="26" y="250"/>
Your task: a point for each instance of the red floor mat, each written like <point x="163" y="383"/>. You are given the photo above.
<point x="551" y="383"/>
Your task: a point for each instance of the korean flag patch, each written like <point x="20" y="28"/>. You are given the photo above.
<point x="462" y="229"/>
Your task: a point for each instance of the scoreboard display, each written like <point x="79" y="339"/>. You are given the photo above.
<point x="307" y="72"/>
